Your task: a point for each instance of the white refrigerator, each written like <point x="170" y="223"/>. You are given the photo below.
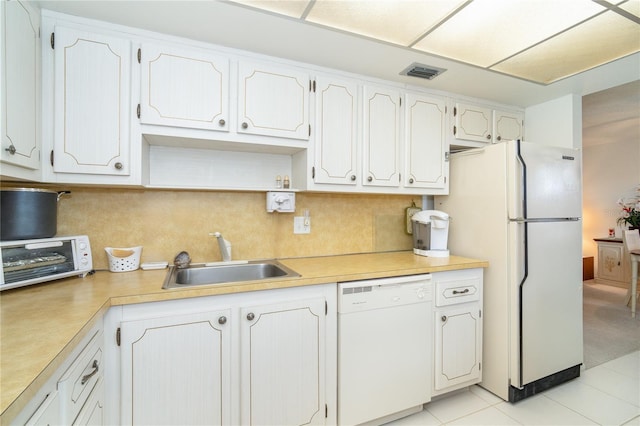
<point x="518" y="205"/>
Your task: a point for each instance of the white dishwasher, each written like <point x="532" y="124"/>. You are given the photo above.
<point x="384" y="348"/>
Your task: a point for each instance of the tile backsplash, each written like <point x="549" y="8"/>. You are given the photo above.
<point x="166" y="222"/>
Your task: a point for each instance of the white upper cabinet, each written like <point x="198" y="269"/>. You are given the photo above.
<point x="485" y="125"/>
<point x="91" y="103"/>
<point x="425" y="142"/>
<point x="336" y="131"/>
<point x="381" y="137"/>
<point x="508" y="125"/>
<point x="473" y="122"/>
<point x="20" y="85"/>
<point x="273" y="101"/>
<point x="184" y="87"/>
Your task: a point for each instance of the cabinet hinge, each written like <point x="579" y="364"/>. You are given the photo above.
<point x="118" y="336"/>
<point x="447" y="155"/>
<point x="138" y="111"/>
<point x="139" y="55"/>
<point x="51" y="158"/>
<point x="480" y="313"/>
<point x="480" y="366"/>
<point x="399" y="177"/>
<point x="326" y="411"/>
<point x="53" y="40"/>
<point x="309" y="130"/>
<point x="313" y="172"/>
<point x="454" y="130"/>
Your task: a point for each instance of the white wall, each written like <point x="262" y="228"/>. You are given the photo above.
<point x="610" y="171"/>
<point x="557" y="122"/>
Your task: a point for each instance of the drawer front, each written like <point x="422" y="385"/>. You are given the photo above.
<point x="78" y="381"/>
<point x="457" y="291"/>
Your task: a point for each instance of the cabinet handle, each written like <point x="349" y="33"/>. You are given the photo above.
<point x="11" y="150"/>
<point x="411" y="180"/>
<point x="499" y="138"/>
<point x="222" y="320"/>
<point x="250" y="316"/>
<point x="245" y="125"/>
<point x="86" y="378"/>
<point x="222" y="122"/>
<point x="370" y="179"/>
<point x="118" y="165"/>
<point x="488" y="137"/>
<point x="353" y="177"/>
<point x="466" y="290"/>
<point x="443" y="318"/>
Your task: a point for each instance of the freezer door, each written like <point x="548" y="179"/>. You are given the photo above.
<point x="548" y="338"/>
<point x="550" y="179"/>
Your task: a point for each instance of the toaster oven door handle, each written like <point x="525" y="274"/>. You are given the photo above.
<point x="35" y="246"/>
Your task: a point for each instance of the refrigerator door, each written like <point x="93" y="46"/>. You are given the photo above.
<point x="546" y="181"/>
<point x="550" y="293"/>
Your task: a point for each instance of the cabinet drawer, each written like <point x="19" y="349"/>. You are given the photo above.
<point x="77" y="382"/>
<point x="457" y="291"/>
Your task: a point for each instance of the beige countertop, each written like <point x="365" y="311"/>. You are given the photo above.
<point x="41" y="324"/>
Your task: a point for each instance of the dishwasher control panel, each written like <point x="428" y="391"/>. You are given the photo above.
<point x="384" y="292"/>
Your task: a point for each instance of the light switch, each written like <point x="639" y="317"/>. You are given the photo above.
<point x="301" y="225"/>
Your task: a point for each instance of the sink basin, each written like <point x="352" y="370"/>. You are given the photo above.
<point x="201" y="274"/>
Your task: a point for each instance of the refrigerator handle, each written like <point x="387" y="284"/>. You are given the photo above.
<point x="526" y="258"/>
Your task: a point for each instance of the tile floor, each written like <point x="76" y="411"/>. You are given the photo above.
<point x="608" y="394"/>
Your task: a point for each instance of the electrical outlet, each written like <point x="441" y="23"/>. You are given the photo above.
<point x="301" y="225"/>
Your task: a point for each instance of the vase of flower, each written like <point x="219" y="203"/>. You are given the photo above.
<point x="630" y="212"/>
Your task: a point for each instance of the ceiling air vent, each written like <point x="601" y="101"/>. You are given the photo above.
<point x="422" y="71"/>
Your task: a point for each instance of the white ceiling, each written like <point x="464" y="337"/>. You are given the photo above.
<point x="241" y="27"/>
<point x="523" y="38"/>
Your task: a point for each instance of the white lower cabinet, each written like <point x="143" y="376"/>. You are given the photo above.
<point x="74" y="393"/>
<point x="458" y="329"/>
<point x="175" y="369"/>
<point x="258" y="358"/>
<point x="48" y="413"/>
<point x="282" y="363"/>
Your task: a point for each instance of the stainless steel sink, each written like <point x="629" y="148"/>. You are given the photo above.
<point x="202" y="274"/>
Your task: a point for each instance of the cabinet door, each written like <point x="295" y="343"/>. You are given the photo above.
<point x="175" y="370"/>
<point x="336" y="131"/>
<point x="425" y="142"/>
<point x="48" y="413"/>
<point x="92" y="92"/>
<point x="381" y="135"/>
<point x="473" y="123"/>
<point x="273" y="101"/>
<point x="508" y="126"/>
<point x="610" y="262"/>
<point x="92" y="414"/>
<point x="184" y="88"/>
<point x="282" y="363"/>
<point x="458" y="345"/>
<point x="20" y="86"/>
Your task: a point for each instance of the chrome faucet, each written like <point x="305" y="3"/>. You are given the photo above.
<point x="225" y="246"/>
